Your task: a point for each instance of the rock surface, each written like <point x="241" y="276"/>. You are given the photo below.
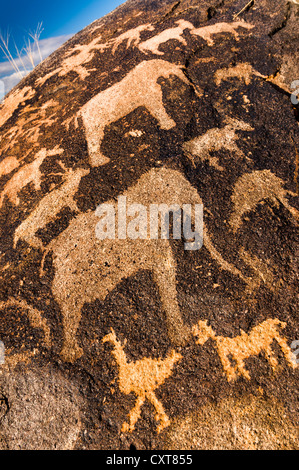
<point x="139" y="343"/>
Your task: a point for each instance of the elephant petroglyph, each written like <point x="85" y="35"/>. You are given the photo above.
<point x="138" y="89"/>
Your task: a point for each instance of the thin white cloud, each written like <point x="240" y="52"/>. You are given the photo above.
<point x="11" y="78"/>
<point x="10" y="81"/>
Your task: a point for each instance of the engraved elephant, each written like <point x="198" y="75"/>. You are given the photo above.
<point x="139" y="88"/>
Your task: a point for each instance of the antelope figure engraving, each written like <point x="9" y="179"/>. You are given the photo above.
<point x="245" y="346"/>
<point x="142" y="378"/>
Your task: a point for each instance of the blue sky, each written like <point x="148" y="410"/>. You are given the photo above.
<point x="61" y="19"/>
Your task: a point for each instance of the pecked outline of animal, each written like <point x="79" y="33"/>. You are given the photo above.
<point x="216" y="139"/>
<point x="142" y="377"/>
<point x="50" y="205"/>
<point x="85" y="272"/>
<point x="139" y="88"/>
<point x="87" y="269"/>
<point x="152" y="44"/>
<point x="131" y="37"/>
<point x="252" y="188"/>
<point x="28" y="173"/>
<point x="245" y="346"/>
<point x="176" y="33"/>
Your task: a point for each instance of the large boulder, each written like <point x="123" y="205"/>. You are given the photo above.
<point x="142" y="343"/>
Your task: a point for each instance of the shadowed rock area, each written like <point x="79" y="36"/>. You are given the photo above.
<point x="140" y="343"/>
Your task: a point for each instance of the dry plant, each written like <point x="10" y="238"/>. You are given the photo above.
<point x="18" y="58"/>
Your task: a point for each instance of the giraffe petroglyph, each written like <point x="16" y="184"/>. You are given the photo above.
<point x="87" y="269"/>
<point x="142" y="377"/>
<point x="138" y="89"/>
<point x="243" y="347"/>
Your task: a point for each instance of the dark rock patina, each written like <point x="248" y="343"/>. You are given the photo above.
<point x="164" y="102"/>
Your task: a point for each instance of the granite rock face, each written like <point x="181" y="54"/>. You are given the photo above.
<point x="140" y="343"/>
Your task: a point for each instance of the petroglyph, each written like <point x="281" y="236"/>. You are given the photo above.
<point x="29" y="125"/>
<point x="8" y="165"/>
<point x="243" y="347"/>
<point x="75" y="60"/>
<point x="152" y="45"/>
<point x="29" y="173"/>
<point x="78" y="57"/>
<point x="87" y="269"/>
<point x="35" y="317"/>
<point x="132" y="37"/>
<point x="207" y="32"/>
<point x="215" y="140"/>
<point x="49" y="207"/>
<point x="142" y="378"/>
<point x="13" y="101"/>
<point x="243" y="71"/>
<point x="251" y="189"/>
<point x="262" y="269"/>
<point x="138" y="89"/>
<point x="81" y="55"/>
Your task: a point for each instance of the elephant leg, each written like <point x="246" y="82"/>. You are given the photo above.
<point x="71" y="316"/>
<point x="165" y="278"/>
<point x="159" y="112"/>
<point x="94" y="136"/>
